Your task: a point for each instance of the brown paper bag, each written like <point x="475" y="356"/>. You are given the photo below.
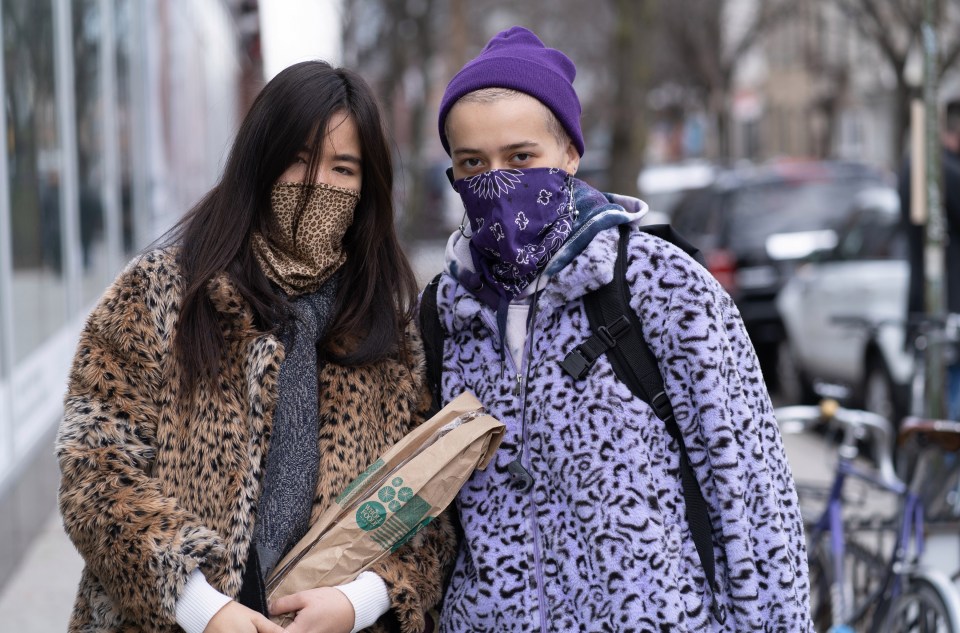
<point x="391" y="501"/>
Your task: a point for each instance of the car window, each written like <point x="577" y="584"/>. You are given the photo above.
<point x="758" y="211"/>
<point x="871" y="235"/>
<point x="692" y="216"/>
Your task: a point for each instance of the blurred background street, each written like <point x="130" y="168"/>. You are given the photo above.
<point x="769" y="132"/>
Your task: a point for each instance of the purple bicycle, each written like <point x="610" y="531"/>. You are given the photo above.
<point x="865" y="564"/>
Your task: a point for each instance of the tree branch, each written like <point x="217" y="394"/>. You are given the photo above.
<point x="866" y="18"/>
<point x="949" y="58"/>
<point x="694" y="47"/>
<point x="764" y="20"/>
<point x="912" y="18"/>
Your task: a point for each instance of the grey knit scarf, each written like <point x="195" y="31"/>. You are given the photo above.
<point x="290" y="481"/>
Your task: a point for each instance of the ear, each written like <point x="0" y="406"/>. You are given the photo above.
<point x="571" y="159"/>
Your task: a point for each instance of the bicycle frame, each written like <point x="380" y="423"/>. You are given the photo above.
<point x="911" y="524"/>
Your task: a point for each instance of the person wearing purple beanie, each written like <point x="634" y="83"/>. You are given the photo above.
<point x="579" y="523"/>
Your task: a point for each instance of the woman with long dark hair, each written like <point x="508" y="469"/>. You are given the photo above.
<point x="232" y="382"/>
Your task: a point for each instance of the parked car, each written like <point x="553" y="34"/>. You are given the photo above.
<point x="663" y="186"/>
<point x="755" y="225"/>
<point x="864" y="279"/>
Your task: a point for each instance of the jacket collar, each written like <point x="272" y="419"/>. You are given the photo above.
<point x="233" y="309"/>
<point x="588" y="270"/>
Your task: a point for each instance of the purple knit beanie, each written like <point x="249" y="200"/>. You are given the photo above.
<point x="517" y="59"/>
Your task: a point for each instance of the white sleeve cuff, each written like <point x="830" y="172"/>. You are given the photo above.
<point x="369" y="597"/>
<point x="198" y="603"/>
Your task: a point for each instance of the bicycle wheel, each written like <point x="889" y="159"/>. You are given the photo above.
<point x="922" y="608"/>
<point x="865" y="573"/>
<point x="819" y="566"/>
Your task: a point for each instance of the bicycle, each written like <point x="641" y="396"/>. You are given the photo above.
<point x="851" y="583"/>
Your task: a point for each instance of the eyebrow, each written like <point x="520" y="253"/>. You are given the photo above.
<point x="347" y="158"/>
<point x="502" y="148"/>
<point x="343" y="158"/>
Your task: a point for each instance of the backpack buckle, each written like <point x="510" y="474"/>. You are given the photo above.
<point x="604" y="334"/>
<point x="575" y="364"/>
<point x="661" y="406"/>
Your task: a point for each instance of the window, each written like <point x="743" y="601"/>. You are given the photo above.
<point x="87" y="42"/>
<point x="692" y="214"/>
<point x="787" y="206"/>
<point x="34" y="162"/>
<point x="872" y="235"/>
<point x="124" y="25"/>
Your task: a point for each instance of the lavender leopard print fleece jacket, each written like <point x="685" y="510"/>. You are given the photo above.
<point x="600" y="542"/>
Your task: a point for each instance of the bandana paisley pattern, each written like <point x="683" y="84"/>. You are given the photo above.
<point x="519" y="219"/>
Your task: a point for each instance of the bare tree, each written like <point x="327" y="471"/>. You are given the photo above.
<point x="830" y="69"/>
<point x="409" y="49"/>
<point x="893" y="27"/>
<point x="630" y="63"/>
<point x="393" y="44"/>
<point x="711" y="51"/>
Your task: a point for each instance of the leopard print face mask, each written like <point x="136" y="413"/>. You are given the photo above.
<point x="301" y="265"/>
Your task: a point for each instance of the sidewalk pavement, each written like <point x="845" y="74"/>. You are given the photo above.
<point x="39" y="596"/>
<point x="426" y="258"/>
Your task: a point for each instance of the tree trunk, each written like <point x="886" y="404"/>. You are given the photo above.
<point x="720" y="108"/>
<point x="413" y="224"/>
<point x="631" y="77"/>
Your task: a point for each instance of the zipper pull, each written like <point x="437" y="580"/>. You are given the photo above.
<point x="516" y="387"/>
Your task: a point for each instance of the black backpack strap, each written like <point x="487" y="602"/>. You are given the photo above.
<point x="635" y="365"/>
<point x="667" y="233"/>
<point x="431" y="330"/>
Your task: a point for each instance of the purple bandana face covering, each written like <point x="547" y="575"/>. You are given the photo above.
<point x="519" y="219"/>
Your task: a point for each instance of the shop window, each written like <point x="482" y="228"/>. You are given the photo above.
<point x="34" y="159"/>
<point x="91" y="155"/>
<point x="124" y="28"/>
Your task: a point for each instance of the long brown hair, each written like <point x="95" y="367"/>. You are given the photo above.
<point x="377" y="289"/>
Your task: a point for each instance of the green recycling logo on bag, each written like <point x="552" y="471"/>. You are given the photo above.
<point x="408" y="512"/>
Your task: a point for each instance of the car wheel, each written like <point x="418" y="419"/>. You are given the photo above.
<point x="793" y="386"/>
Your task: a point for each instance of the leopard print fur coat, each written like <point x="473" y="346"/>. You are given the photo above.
<point x="154" y="484"/>
<point x="600" y="542"/>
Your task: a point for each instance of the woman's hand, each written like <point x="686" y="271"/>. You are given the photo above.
<point x="323" y="610"/>
<point x="236" y="618"/>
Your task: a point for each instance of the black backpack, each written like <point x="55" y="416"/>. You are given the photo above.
<point x="616" y="333"/>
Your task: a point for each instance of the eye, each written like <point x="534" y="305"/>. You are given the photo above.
<point x="300" y="160"/>
<point x="470" y="163"/>
<point x="521" y="157"/>
<point x="344" y="170"/>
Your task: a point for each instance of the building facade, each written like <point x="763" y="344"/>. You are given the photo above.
<point x="827" y="91"/>
<point x="117" y="117"/>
